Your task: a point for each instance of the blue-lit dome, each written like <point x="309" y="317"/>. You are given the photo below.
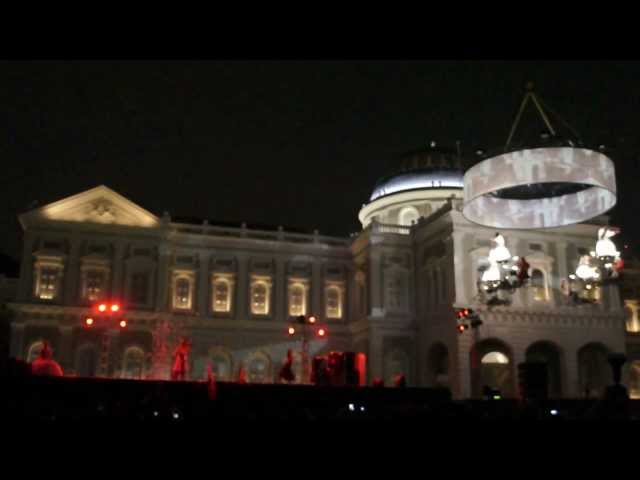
<point x="430" y="168"/>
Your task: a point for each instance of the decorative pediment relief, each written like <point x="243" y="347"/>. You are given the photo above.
<point x="99" y="205"/>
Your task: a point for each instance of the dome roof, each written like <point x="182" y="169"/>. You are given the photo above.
<point x="430" y="168"/>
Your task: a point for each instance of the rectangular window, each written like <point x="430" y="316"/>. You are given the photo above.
<point x="139" y="288"/>
<point x="297" y="299"/>
<point x="260" y="291"/>
<point x="221" y="295"/>
<point x="95" y="281"/>
<point x="182" y="293"/>
<point x="48" y="284"/>
<point x="333" y="301"/>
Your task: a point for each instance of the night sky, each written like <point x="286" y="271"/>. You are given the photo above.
<point x="292" y="143"/>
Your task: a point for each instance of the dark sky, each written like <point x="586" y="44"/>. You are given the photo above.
<point x="288" y="142"/>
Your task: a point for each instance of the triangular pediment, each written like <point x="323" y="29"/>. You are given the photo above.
<point x="99" y="205"/>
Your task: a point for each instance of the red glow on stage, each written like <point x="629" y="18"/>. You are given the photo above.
<point x="102" y="307"/>
<point x="115" y="307"/>
<point x="89" y="321"/>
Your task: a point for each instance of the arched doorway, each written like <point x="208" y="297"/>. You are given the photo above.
<point x="396" y="362"/>
<point x="86" y="360"/>
<point x="133" y="363"/>
<point x="549" y="354"/>
<point x="492" y="366"/>
<point x="259" y="368"/>
<point x="594" y="372"/>
<point x="438" y="366"/>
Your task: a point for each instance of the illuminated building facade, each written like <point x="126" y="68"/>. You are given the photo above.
<point x="389" y="292"/>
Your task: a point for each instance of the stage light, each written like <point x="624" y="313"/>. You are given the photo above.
<point x="102" y="307"/>
<point x="123" y="323"/>
<point x="291" y="330"/>
<point x="312" y="319"/>
<point x="322" y="332"/>
<point x="89" y="321"/>
<point x="115" y="307"/>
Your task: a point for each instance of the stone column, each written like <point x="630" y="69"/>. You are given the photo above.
<point x="281" y="306"/>
<point x="65" y="352"/>
<point x="242" y="298"/>
<point x="376" y="360"/>
<point x="316" y="290"/>
<point x="117" y="282"/>
<point x="71" y="293"/>
<point x="375" y="283"/>
<point x="164" y="256"/>
<point x="570" y="375"/>
<point x="461" y="263"/>
<point x="203" y="286"/>
<point x="461" y="380"/>
<point x="115" y="354"/>
<point x="25" y="285"/>
<point x="16" y="349"/>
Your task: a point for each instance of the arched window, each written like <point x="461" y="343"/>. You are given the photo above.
<point x="133" y="363"/>
<point x="259" y="298"/>
<point x="221" y="295"/>
<point x="408" y="216"/>
<point x="34" y="350"/>
<point x="297" y="299"/>
<point x="182" y="295"/>
<point x="538" y="286"/>
<point x="259" y="368"/>
<point x="86" y="360"/>
<point x="334" y="302"/>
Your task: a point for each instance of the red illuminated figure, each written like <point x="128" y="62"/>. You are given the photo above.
<point x="45" y="364"/>
<point x="181" y="360"/>
<point x="286" y="372"/>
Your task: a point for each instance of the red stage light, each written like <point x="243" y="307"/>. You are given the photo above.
<point x="115" y="307"/>
<point x="123" y="323"/>
<point x="89" y="321"/>
<point x="312" y="319"/>
<point x="292" y="330"/>
<point x="102" y="307"/>
<point x="322" y="332"/>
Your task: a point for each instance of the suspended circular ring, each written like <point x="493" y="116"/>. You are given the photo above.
<point x="539" y="188"/>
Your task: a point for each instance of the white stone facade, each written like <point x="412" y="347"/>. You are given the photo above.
<point x="389" y="293"/>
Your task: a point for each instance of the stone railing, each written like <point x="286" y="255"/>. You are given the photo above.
<point x="389" y="228"/>
<point x="244" y="232"/>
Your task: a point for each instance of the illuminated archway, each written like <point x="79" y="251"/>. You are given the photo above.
<point x="492" y="366"/>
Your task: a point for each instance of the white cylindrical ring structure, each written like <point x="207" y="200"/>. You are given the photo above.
<point x="580" y="167"/>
